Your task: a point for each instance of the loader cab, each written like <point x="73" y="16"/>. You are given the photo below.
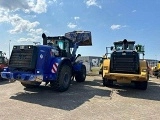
<point x="124" y="58"/>
<point x="124" y="45"/>
<point x="2" y="58"/>
<point x="63" y="45"/>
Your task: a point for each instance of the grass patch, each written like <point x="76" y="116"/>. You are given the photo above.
<point x="94" y="71"/>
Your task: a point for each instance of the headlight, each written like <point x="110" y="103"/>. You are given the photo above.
<point x="105" y="67"/>
<point x="144" y="70"/>
<point x="5" y="69"/>
<point x="38" y="71"/>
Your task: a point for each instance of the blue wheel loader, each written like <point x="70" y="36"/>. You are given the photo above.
<point x="54" y="62"/>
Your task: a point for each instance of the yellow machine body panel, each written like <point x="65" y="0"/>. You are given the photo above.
<point x="106" y="66"/>
<point x="123" y="77"/>
<point x="101" y="64"/>
<point x="158" y="66"/>
<point x="156" y="70"/>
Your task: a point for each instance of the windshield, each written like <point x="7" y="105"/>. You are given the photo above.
<point x="130" y="46"/>
<point x="63" y="44"/>
<point x="120" y="46"/>
<point x="1" y="59"/>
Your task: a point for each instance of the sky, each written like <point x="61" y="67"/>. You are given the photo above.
<point x="22" y="22"/>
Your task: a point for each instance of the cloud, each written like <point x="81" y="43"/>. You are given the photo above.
<point x="71" y="25"/>
<point x="92" y="3"/>
<point x="119" y="15"/>
<point x="3" y="15"/>
<point x="29" y="39"/>
<point x="17" y="4"/>
<point x="116" y="27"/>
<point x="18" y="23"/>
<point x="52" y="1"/>
<point x="25" y="40"/>
<point x="57" y="2"/>
<point x="33" y="35"/>
<point x="21" y="25"/>
<point x="61" y="3"/>
<point x="76" y="18"/>
<point x="35" y="32"/>
<point x="37" y="6"/>
<point x="134" y="11"/>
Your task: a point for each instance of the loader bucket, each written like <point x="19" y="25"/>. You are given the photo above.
<point x="82" y="37"/>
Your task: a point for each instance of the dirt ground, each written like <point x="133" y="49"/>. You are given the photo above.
<point x="83" y="101"/>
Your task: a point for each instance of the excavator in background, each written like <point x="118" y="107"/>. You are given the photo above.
<point x="156" y="70"/>
<point x="3" y="62"/>
<point x="125" y="65"/>
<point x="53" y="62"/>
<point x="101" y="63"/>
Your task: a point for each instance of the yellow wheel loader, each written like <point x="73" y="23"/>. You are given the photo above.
<point x="125" y="66"/>
<point x="156" y="70"/>
<point x="101" y="64"/>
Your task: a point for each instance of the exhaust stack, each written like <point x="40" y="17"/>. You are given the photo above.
<point x="44" y="39"/>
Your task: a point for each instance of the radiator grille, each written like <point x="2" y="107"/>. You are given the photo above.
<point x="128" y="63"/>
<point x="23" y="58"/>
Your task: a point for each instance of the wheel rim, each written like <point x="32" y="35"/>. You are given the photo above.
<point x="66" y="79"/>
<point x="84" y="73"/>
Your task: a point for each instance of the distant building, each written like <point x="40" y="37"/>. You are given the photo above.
<point x="90" y="61"/>
<point x="152" y="62"/>
<point x="94" y="61"/>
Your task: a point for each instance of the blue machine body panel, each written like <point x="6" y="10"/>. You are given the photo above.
<point x="43" y="62"/>
<point x="46" y="67"/>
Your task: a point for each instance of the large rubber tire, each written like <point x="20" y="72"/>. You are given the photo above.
<point x="107" y="82"/>
<point x="158" y="74"/>
<point x="63" y="79"/>
<point x="1" y="76"/>
<point x="31" y="84"/>
<point x="100" y="71"/>
<point x="141" y="85"/>
<point x="81" y="75"/>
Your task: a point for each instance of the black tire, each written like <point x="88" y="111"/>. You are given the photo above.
<point x="104" y="82"/>
<point x="81" y="75"/>
<point x="141" y="85"/>
<point x="1" y="77"/>
<point x="100" y="72"/>
<point x="63" y="80"/>
<point x="31" y="84"/>
<point x="107" y="82"/>
<point x="158" y="74"/>
<point x="1" y="70"/>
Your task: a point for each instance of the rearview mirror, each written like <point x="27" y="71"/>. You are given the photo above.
<point x="78" y="55"/>
<point x="136" y="47"/>
<point x="111" y="48"/>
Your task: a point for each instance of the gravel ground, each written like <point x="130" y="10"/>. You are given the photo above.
<point x="83" y="101"/>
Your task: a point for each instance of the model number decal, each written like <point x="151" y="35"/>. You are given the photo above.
<point x="41" y="56"/>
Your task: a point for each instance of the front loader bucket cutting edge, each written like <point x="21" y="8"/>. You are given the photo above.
<point x="83" y="37"/>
